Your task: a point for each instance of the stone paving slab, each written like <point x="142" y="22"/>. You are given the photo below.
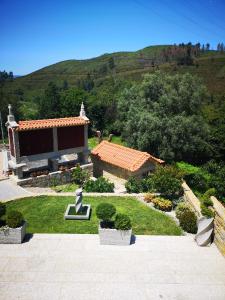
<point x="10" y="191"/>
<point x="67" y="266"/>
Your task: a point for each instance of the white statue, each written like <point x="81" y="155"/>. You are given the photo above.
<point x="78" y="201"/>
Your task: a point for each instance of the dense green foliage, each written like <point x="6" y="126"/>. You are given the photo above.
<point x="44" y="214"/>
<point x="206" y="211"/>
<point x="167" y="181"/>
<point x="2" y="209"/>
<point x="79" y="176"/>
<point x="14" y="219"/>
<point x="105" y="212"/>
<point x="133" y="185"/>
<point x="162" y="115"/>
<point x="206" y="180"/>
<point x="186" y="217"/>
<point x="122" y="222"/>
<point x="101" y="185"/>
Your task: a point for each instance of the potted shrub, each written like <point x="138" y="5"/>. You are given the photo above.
<point x="14" y="230"/>
<point x="113" y="232"/>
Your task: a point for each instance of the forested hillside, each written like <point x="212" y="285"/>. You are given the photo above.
<point x="107" y="81"/>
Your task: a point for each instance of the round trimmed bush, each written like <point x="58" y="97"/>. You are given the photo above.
<point x="14" y="219"/>
<point x="105" y="211"/>
<point x="122" y="222"/>
<point x="186" y="217"/>
<point x="2" y="209"/>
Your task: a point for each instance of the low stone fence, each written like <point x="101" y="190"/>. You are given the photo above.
<point x="219" y="225"/>
<point x="190" y="197"/>
<point x="53" y="178"/>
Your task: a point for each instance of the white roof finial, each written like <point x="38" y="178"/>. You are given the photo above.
<point x="10" y="109"/>
<point x="82" y="110"/>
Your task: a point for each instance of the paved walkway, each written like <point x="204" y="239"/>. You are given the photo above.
<point x="77" y="267"/>
<point x="9" y="191"/>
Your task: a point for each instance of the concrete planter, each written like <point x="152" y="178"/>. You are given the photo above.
<point x="12" y="235"/>
<point x="114" y="237"/>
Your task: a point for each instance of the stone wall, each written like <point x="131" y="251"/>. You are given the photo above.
<point x="219" y="225"/>
<point x="219" y="219"/>
<point x="53" y="178"/>
<point x="190" y="197"/>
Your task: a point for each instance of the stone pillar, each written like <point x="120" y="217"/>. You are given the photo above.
<point x="55" y="139"/>
<point x="16" y="145"/>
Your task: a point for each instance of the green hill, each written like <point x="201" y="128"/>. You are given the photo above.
<point x="209" y="66"/>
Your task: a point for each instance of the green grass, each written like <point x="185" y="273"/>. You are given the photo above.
<point x="70" y="187"/>
<point x="187" y="168"/>
<point x="45" y="214"/>
<point x="93" y="141"/>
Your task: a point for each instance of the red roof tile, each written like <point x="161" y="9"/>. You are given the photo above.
<point x="123" y="157"/>
<point x="50" y="123"/>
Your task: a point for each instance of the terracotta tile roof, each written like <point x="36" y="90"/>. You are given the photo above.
<point x="123" y="157"/>
<point x="50" y="123"/>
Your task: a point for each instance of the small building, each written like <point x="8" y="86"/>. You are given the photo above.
<point x="122" y="161"/>
<point x="45" y="144"/>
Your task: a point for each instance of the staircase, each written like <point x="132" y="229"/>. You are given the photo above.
<point x="205" y="231"/>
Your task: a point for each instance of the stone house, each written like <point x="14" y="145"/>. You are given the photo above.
<point x="122" y="161"/>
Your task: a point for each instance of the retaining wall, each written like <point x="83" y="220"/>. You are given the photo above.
<point x="53" y="178"/>
<point x="190" y="197"/>
<point x="219" y="225"/>
<point x="219" y="219"/>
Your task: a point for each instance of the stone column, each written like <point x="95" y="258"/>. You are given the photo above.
<point x="55" y="139"/>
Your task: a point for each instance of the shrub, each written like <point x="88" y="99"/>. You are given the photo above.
<point x="79" y="176"/>
<point x="207" y="212"/>
<point x="133" y="185"/>
<point x="207" y="202"/>
<point x="105" y="211"/>
<point x="149" y="197"/>
<point x="162" y="204"/>
<point x="186" y="217"/>
<point x="196" y="181"/>
<point x="166" y="181"/>
<point x="14" y="219"/>
<point x="122" y="222"/>
<point x="101" y="185"/>
<point x="2" y="209"/>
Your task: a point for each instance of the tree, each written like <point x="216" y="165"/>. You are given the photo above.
<point x="70" y="101"/>
<point x="162" y="116"/>
<point x="207" y="47"/>
<point x="111" y="63"/>
<point x="49" y="106"/>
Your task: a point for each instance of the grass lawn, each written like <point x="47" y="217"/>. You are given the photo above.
<point x="93" y="141"/>
<point x="45" y="214"/>
<point x="69" y="187"/>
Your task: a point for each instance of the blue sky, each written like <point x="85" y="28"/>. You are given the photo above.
<point x="36" y="33"/>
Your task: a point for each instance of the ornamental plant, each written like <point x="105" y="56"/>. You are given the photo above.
<point x="122" y="222"/>
<point x="14" y="219"/>
<point x="101" y="185"/>
<point x="186" y="217"/>
<point x="79" y="176"/>
<point x="105" y="212"/>
<point x="162" y="204"/>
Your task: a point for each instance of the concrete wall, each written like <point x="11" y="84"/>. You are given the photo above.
<point x="219" y="225"/>
<point x="54" y="178"/>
